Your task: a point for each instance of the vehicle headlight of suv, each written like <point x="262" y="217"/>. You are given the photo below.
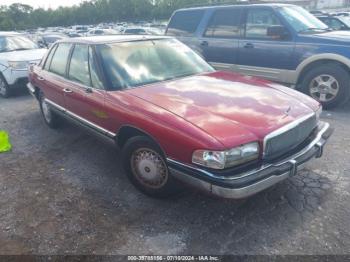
<point x="228" y="158"/>
<point x="18" y="65"/>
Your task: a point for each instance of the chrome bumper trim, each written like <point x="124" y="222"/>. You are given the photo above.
<point x="225" y="189"/>
<point x="31" y="89"/>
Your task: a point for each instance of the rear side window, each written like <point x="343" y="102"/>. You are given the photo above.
<point x="79" y="65"/>
<point x="224" y="23"/>
<point x="60" y="58"/>
<point x="185" y="23"/>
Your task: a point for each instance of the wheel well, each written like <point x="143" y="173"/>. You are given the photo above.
<point x="127" y="132"/>
<point x="37" y="92"/>
<point x="317" y="63"/>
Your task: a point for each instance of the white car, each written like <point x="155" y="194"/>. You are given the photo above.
<point x="17" y="52"/>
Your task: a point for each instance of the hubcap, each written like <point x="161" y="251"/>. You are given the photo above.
<point x="149" y="168"/>
<point x="324" y="88"/>
<point x="46" y="110"/>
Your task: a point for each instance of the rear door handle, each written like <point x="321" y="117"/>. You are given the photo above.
<point x="204" y="43"/>
<point x="248" y="45"/>
<point x="67" y="90"/>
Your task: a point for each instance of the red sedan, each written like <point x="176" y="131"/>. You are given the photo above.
<point x="176" y="118"/>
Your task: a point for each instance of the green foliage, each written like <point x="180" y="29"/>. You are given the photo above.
<point x="20" y="16"/>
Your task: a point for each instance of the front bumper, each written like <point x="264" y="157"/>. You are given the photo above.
<point x="242" y="185"/>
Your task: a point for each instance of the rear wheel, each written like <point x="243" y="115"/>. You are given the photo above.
<point x="329" y="84"/>
<point x="146" y="168"/>
<point x="50" y="117"/>
<point x="4" y="88"/>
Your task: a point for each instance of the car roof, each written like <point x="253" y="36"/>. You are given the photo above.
<point x="110" y="39"/>
<point x="8" y="33"/>
<point x="230" y="6"/>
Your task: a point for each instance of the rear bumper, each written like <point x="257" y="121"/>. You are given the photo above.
<point x="250" y="182"/>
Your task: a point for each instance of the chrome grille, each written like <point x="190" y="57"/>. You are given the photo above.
<point x="285" y="139"/>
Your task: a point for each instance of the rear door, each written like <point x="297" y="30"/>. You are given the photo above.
<point x="219" y="43"/>
<point x="260" y="54"/>
<point x="86" y="95"/>
<point x="52" y="78"/>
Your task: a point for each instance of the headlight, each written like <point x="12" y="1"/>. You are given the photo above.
<point x="318" y="113"/>
<point x="228" y="158"/>
<point x="18" y="64"/>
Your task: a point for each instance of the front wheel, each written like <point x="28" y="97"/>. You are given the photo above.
<point x="146" y="168"/>
<point x="329" y="84"/>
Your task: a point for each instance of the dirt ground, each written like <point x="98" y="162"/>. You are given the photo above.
<point x="64" y="192"/>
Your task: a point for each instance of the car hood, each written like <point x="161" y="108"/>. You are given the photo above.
<point x="335" y="37"/>
<point x="228" y="106"/>
<point x="23" y="55"/>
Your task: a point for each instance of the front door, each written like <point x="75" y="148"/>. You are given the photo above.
<point x="260" y="54"/>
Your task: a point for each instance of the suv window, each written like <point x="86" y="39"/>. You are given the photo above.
<point x="224" y="23"/>
<point x="79" y="65"/>
<point x="60" y="58"/>
<point x="258" y="20"/>
<point x="184" y="23"/>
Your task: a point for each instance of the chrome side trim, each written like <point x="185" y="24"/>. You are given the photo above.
<point x="285" y="129"/>
<point x="83" y="120"/>
<point x="325" y="127"/>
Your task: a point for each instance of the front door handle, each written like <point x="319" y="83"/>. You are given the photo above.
<point x="41" y="78"/>
<point x="204" y="43"/>
<point x="67" y="90"/>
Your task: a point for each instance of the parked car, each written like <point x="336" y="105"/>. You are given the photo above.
<point x="176" y="118"/>
<point x="142" y="31"/>
<point x="16" y="53"/>
<point x="336" y="22"/>
<point x="102" y="32"/>
<point x="47" y="39"/>
<point x="280" y="42"/>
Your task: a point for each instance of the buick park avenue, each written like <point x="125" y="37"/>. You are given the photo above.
<point x="176" y="119"/>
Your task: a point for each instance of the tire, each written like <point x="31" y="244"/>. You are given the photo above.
<point x="146" y="168"/>
<point x="329" y="84"/>
<point x="50" y="117"/>
<point x="4" y="88"/>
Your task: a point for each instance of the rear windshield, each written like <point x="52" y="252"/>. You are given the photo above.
<point x="138" y="63"/>
<point x="184" y="23"/>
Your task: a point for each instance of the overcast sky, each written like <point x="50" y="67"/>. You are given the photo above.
<point x="42" y="3"/>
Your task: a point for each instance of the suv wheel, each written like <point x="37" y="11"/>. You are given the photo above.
<point x="146" y="168"/>
<point x="4" y="88"/>
<point x="50" y="117"/>
<point x="329" y="84"/>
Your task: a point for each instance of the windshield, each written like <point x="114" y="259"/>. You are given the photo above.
<point x="345" y="20"/>
<point x="143" y="62"/>
<point x="301" y="20"/>
<point x="16" y="43"/>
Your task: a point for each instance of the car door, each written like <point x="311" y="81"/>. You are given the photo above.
<point x="219" y="43"/>
<point x="52" y="79"/>
<point x="85" y="97"/>
<point x="261" y="54"/>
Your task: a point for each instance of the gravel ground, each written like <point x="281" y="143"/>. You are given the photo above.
<point x="64" y="192"/>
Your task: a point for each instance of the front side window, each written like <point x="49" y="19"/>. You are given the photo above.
<point x="79" y="65"/>
<point x="138" y="63"/>
<point x="301" y="20"/>
<point x="185" y="23"/>
<point x="16" y="43"/>
<point x="224" y="24"/>
<point x="258" y="22"/>
<point x="59" y="59"/>
<point x="49" y="58"/>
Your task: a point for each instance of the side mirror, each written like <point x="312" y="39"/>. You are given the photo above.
<point x="277" y="32"/>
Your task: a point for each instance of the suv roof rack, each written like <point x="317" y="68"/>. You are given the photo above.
<point x="221" y="3"/>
